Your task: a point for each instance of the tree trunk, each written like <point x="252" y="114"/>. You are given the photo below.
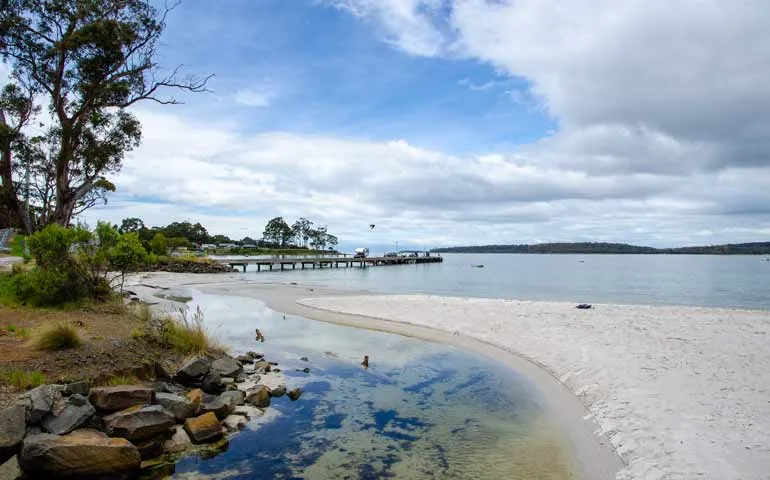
<point x="11" y="200"/>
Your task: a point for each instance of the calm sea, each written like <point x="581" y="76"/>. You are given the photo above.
<point x="721" y="281"/>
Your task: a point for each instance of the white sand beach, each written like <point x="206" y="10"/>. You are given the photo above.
<point x="681" y="392"/>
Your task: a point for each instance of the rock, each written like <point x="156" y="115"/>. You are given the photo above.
<point x="203" y="428"/>
<point x="275" y="364"/>
<point x="77" y="388"/>
<point x="218" y="407"/>
<point x="275" y="370"/>
<point x="259" y="397"/>
<point x="160" y="373"/>
<point x="238" y="397"/>
<point x="152" y="448"/>
<point x="181" y="408"/>
<point x="41" y="401"/>
<point x="195" y="396"/>
<point x="240" y="378"/>
<point x="213" y="383"/>
<point x="234" y="423"/>
<point x="278" y="391"/>
<point x="304" y="370"/>
<point x="120" y="397"/>
<point x="227" y="381"/>
<point x="179" y="441"/>
<point x="166" y="387"/>
<point x="262" y="366"/>
<point x="226" y="366"/>
<point x="10" y="469"/>
<point x="304" y="359"/>
<point x="12" y="430"/>
<point x="193" y="371"/>
<point x="75" y="414"/>
<point x="248" y="411"/>
<point x="255" y="355"/>
<point x="82" y="453"/>
<point x="294" y="394"/>
<point x="244" y="359"/>
<point x="139" y="423"/>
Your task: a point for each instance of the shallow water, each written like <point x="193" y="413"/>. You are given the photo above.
<point x="421" y="410"/>
<point x="703" y="280"/>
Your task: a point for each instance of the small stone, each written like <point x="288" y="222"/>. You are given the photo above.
<point x="240" y="378"/>
<point x="304" y="370"/>
<point x="262" y="366"/>
<point x="180" y="407"/>
<point x="179" y="441"/>
<point x="234" y="423"/>
<point x="304" y="359"/>
<point x="244" y="359"/>
<point x="295" y="394"/>
<point x="228" y="381"/>
<point x="278" y="391"/>
<point x="226" y="366"/>
<point x="139" y="423"/>
<point x="255" y="355"/>
<point x="248" y="411"/>
<point x="195" y="396"/>
<point x="259" y="397"/>
<point x="120" y="397"/>
<point x="203" y="428"/>
<point x="77" y="388"/>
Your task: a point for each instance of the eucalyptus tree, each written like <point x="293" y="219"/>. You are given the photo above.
<point x="77" y="66"/>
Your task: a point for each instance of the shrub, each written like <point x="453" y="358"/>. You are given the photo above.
<point x="20" y="379"/>
<point x="12" y="328"/>
<point x="187" y="334"/>
<point x="47" y="287"/>
<point x="61" y="336"/>
<point x="159" y="244"/>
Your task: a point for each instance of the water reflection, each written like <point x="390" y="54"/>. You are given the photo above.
<point x="420" y="410"/>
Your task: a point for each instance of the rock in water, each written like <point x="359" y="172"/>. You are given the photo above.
<point x="120" y="397"/>
<point x="584" y="306"/>
<point x="259" y="397"/>
<point x="139" y="423"/>
<point x="248" y="411"/>
<point x="82" y="453"/>
<point x="203" y="428"/>
<point x="278" y="391"/>
<point x="75" y="414"/>
<point x="180" y="407"/>
<point x="365" y="363"/>
<point x="193" y="371"/>
<point x="262" y="367"/>
<point x="234" y="423"/>
<point x="12" y="430"/>
<point x="226" y="367"/>
<point x="294" y="394"/>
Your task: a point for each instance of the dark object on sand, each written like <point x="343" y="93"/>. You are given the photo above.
<point x="365" y="363"/>
<point x="584" y="306"/>
<point x="477" y="266"/>
<point x="260" y="337"/>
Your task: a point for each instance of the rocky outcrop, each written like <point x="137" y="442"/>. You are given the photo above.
<point x="13" y="427"/>
<point x="139" y="423"/>
<point x="120" y="397"/>
<point x="178" y="265"/>
<point x="226" y="367"/>
<point x="203" y="428"/>
<point x="181" y="408"/>
<point x="76" y="413"/>
<point x="193" y="371"/>
<point x="82" y="453"/>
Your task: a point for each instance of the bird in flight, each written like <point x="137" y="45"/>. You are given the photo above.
<point x="371" y="226"/>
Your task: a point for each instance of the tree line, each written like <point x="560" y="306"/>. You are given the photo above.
<point x="754" y="248"/>
<point x="277" y="234"/>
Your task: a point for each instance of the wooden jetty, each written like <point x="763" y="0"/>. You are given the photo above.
<point x="327" y="262"/>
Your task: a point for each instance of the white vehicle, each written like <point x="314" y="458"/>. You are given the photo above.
<point x="361" y="253"/>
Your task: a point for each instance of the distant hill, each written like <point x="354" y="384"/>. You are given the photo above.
<point x="755" y="248"/>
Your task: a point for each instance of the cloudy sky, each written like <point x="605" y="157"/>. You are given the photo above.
<point x="448" y="122"/>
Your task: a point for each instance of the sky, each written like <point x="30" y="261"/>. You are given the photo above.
<point x="456" y="122"/>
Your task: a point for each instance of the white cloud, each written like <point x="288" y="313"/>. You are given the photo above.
<point x="255" y="97"/>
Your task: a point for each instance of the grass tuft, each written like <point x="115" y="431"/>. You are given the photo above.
<point x="12" y="328"/>
<point x="61" y="336"/>
<point x="137" y="333"/>
<point x="188" y="335"/>
<point x="21" y="380"/>
<point x="120" y="380"/>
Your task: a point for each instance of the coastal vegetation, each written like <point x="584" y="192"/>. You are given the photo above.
<point x="754" y="248"/>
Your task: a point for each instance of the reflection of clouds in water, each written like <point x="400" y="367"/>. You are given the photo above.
<point x="422" y="410"/>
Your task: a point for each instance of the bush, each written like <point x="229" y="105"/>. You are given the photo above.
<point x="187" y="334"/>
<point x="61" y="336"/>
<point x="159" y="244"/>
<point x="48" y="287"/>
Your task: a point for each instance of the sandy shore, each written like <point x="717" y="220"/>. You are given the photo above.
<point x="679" y="392"/>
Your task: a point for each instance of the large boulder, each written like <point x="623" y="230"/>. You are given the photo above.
<point x="193" y="371"/>
<point x="259" y="397"/>
<point x="212" y="383"/>
<point x="120" y="397"/>
<point x="12" y="430"/>
<point x="180" y="407"/>
<point x="203" y="428"/>
<point x="226" y="367"/>
<point x="139" y="423"/>
<point x="82" y="453"/>
<point x="40" y="402"/>
<point x="76" y="413"/>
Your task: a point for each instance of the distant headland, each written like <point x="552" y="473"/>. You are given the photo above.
<point x="754" y="248"/>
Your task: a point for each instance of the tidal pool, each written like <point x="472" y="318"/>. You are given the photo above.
<point x="421" y="410"/>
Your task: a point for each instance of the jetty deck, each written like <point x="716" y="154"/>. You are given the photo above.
<point x="326" y="262"/>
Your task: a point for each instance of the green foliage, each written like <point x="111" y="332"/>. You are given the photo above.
<point x="12" y="328"/>
<point x="277" y="231"/>
<point x="159" y="244"/>
<point x="120" y="380"/>
<point x="17" y="246"/>
<point x="187" y="334"/>
<point x="61" y="336"/>
<point x="21" y="379"/>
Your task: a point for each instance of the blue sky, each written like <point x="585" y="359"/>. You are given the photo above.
<point x="463" y="121"/>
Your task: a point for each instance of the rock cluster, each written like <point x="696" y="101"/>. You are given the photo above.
<point x="189" y="266"/>
<point x="80" y="432"/>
